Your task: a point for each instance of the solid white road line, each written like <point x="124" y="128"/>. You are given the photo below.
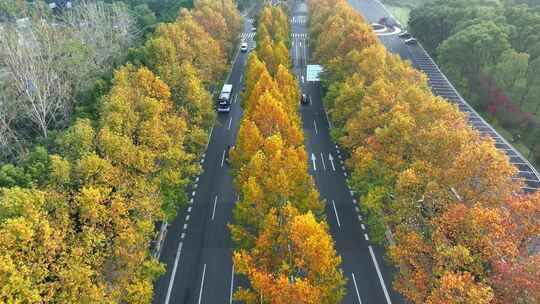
<point x="296" y="54"/>
<point x="173" y="274"/>
<point x="335" y="211"/>
<point x="214" y="211"/>
<point x="323" y="162"/>
<point x="380" y="275"/>
<point x="230" y="123"/>
<point x="305" y="53"/>
<point x="223" y="158"/>
<point x="232" y="285"/>
<point x="315" y="124"/>
<point x="202" y="284"/>
<point x="209" y="137"/>
<point x="356" y="288"/>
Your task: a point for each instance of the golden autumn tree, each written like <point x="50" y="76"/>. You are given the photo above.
<point x="185" y="40"/>
<point x="221" y="19"/>
<point x="293" y="260"/>
<point x="274" y="175"/>
<point x="141" y="132"/>
<point x="38" y="259"/>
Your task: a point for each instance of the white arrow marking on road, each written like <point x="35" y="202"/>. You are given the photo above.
<point x="331" y="158"/>
<point x="380" y="275"/>
<point x="356" y="287"/>
<point x="324" y="164"/>
<point x="335" y="211"/>
<point x="315" y="124"/>
<point x="202" y="283"/>
<point x="173" y="274"/>
<point x="214" y="211"/>
<point x="313" y="159"/>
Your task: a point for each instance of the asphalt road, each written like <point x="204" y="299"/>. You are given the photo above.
<point x="197" y="248"/>
<point x="369" y="278"/>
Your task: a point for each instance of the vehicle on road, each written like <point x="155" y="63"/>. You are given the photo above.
<point x="388" y="22"/>
<point x="244" y="47"/>
<point x="411" y="41"/>
<point x="377" y="26"/>
<point x="405" y="35"/>
<point x="305" y="99"/>
<point x="224" y="99"/>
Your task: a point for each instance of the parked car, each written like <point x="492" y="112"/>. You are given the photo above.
<point x="377" y="26"/>
<point x="405" y="35"/>
<point x="411" y="41"/>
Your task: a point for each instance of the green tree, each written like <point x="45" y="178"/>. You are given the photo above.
<point x="471" y="49"/>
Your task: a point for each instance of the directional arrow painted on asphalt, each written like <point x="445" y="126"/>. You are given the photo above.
<point x="313" y="159"/>
<point x="331" y="158"/>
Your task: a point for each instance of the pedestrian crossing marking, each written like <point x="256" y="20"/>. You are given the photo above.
<point x="300" y="35"/>
<point x="247" y="36"/>
<point x="298" y="20"/>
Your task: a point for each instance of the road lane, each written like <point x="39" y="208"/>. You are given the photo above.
<point x="344" y="223"/>
<point x="197" y="247"/>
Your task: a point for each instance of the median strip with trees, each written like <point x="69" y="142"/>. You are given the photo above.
<point x="283" y="244"/>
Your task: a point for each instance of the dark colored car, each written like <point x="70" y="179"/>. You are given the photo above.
<point x="411" y="41"/>
<point x="405" y="35"/>
<point x="305" y="99"/>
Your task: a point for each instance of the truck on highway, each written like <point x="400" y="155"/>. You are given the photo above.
<point x="224" y="99"/>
